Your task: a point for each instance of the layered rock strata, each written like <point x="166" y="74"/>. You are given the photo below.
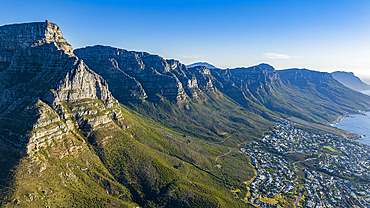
<point x="47" y="94"/>
<point x="49" y="101"/>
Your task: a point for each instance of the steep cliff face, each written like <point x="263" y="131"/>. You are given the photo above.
<point x="256" y="82"/>
<point x="294" y="92"/>
<point x="259" y="88"/>
<point x="138" y="76"/>
<point x="204" y="78"/>
<point x="244" y="85"/>
<point x="41" y="66"/>
<point x="30" y="53"/>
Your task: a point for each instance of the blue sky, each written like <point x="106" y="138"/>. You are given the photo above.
<point x="319" y="35"/>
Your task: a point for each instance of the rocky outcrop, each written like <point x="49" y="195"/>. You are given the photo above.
<point x="80" y="83"/>
<point x="203" y="77"/>
<point x="261" y="80"/>
<point x="122" y="85"/>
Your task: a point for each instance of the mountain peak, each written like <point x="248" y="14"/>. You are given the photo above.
<point x="266" y="67"/>
<point x="208" y="65"/>
<point x="32" y="34"/>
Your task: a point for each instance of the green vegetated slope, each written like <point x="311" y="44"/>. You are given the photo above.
<point x="126" y="161"/>
<point x="129" y="160"/>
<point x="215" y="118"/>
<point x="164" y="168"/>
<point x="59" y="168"/>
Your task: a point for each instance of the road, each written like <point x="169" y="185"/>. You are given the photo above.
<point x="223" y="155"/>
<point x="300" y="187"/>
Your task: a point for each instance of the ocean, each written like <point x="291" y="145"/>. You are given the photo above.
<point x="359" y="124"/>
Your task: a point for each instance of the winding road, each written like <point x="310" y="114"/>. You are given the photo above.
<point x="223" y="155"/>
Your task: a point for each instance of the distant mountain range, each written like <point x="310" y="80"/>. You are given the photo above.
<point x="205" y="64"/>
<point x="105" y="127"/>
<point x="350" y="80"/>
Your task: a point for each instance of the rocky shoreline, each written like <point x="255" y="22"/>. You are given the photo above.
<point x="339" y="119"/>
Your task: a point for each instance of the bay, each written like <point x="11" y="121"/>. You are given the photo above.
<point x="359" y="124"/>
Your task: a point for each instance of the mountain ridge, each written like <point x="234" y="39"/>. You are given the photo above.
<point x="350" y="80"/>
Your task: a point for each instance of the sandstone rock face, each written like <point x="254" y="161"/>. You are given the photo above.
<point x="244" y="85"/>
<point x="126" y="86"/>
<point x="49" y="102"/>
<point x="138" y="76"/>
<point x="21" y="36"/>
<point x="260" y="80"/>
<point x="43" y="82"/>
<point x="80" y="83"/>
<point x="204" y="78"/>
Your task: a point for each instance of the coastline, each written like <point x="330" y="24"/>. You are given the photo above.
<point x="339" y="119"/>
<point x="346" y="115"/>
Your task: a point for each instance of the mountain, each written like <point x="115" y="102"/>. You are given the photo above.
<point x="205" y="64"/>
<point x="140" y="76"/>
<point x="105" y="127"/>
<point x="310" y="93"/>
<point x="261" y="91"/>
<point x="49" y="101"/>
<point x="66" y="141"/>
<point x="301" y="93"/>
<point x="183" y="99"/>
<point x="350" y="80"/>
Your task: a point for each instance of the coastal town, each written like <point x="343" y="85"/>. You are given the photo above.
<point x="312" y="170"/>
